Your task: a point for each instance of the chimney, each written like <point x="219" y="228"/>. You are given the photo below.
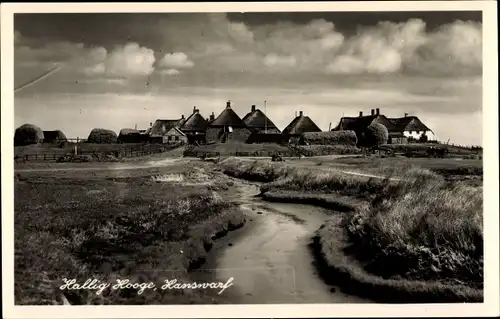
<point x="212" y="116"/>
<point x="253" y="108"/>
<point x="361" y="113"/>
<point x="136" y="126"/>
<point x="228" y="104"/>
<point x="378" y="111"/>
<point x="406" y="114"/>
<point x="150" y="124"/>
<point x="194" y="109"/>
<point x="373" y="112"/>
<point x="182" y="117"/>
<point x="301" y="113"/>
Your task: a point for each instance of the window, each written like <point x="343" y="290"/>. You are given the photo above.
<point x="177" y="138"/>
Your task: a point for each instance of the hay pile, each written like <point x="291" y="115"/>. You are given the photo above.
<point x="376" y="134"/>
<point x="102" y="136"/>
<point x="346" y="138"/>
<point x="28" y="134"/>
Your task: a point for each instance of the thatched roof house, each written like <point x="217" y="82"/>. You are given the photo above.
<point x="102" y="136"/>
<point x="28" y="134"/>
<point x="54" y="136"/>
<point x="130" y="135"/>
<point x="228" y="126"/>
<point x="257" y="121"/>
<point x="228" y="118"/>
<point x="360" y="123"/>
<point x="161" y="127"/>
<point x="194" y="124"/>
<point x="300" y="125"/>
<point x="409" y="124"/>
<point x="398" y="128"/>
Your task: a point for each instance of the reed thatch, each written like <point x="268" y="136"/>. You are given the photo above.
<point x="130" y="135"/>
<point x="28" y="134"/>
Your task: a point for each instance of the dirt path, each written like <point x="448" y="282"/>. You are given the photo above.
<point x="269" y="258"/>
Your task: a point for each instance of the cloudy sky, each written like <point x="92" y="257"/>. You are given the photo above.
<point x="119" y="70"/>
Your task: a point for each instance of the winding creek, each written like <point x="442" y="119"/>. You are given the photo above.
<point x="269" y="258"/>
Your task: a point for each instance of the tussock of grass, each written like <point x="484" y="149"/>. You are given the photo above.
<point x="140" y="231"/>
<point x="427" y="230"/>
<point x="337" y="267"/>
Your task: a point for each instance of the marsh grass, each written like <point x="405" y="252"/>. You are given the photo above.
<point x="108" y="229"/>
<point x="419" y="226"/>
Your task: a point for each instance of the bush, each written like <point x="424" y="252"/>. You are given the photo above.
<point x="376" y="134"/>
<point x="347" y="138"/>
<point x="28" y="134"/>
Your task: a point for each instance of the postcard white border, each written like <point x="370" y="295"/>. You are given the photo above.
<point x="490" y="306"/>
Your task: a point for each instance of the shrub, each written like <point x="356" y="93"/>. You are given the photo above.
<point x="329" y="138"/>
<point x="28" y="134"/>
<point x="375" y="134"/>
<point x="102" y="136"/>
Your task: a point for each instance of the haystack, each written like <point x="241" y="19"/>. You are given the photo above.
<point x="28" y="134"/>
<point x="346" y="138"/>
<point x="129" y="135"/>
<point x="102" y="136"/>
<point x="54" y="137"/>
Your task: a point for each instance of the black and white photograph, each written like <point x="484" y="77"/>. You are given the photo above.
<point x="248" y="157"/>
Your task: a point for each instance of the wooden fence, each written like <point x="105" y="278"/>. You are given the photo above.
<point x="100" y="154"/>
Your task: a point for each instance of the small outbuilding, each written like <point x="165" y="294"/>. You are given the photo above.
<point x="130" y="135"/>
<point x="175" y="136"/>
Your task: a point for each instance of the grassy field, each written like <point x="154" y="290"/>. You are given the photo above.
<point x="418" y="227"/>
<point x="231" y="148"/>
<point x="117" y="224"/>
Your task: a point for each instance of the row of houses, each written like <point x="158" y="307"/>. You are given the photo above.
<point x="256" y="127"/>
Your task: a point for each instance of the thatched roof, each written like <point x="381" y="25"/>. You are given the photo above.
<point x="409" y="123"/>
<point x="160" y="127"/>
<point x="177" y="130"/>
<point x="228" y="118"/>
<point x="360" y="123"/>
<point x="101" y="135"/>
<point x="28" y="134"/>
<point x="195" y="122"/>
<point x="257" y="119"/>
<point x="56" y="135"/>
<point x="129" y="131"/>
<point x="301" y="124"/>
